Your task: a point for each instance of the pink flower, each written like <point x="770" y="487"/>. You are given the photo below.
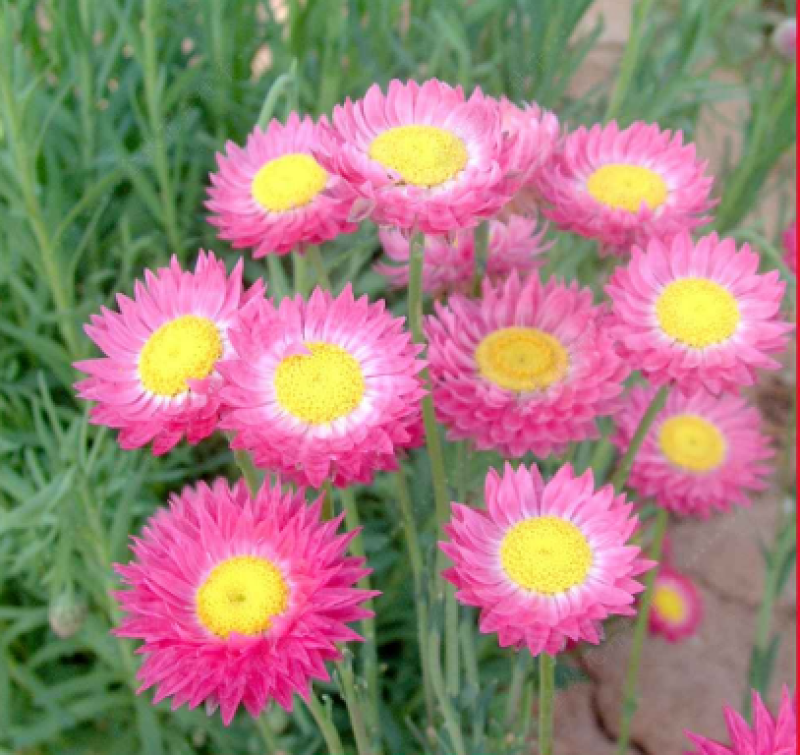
<point x="767" y="736"/>
<point x="697" y="314"/>
<point x="449" y="264"/>
<point x="703" y="453"/>
<point x="790" y="247"/>
<point x="239" y="600"/>
<point x="677" y="608"/>
<point x="546" y="562"/>
<point x="326" y="389"/>
<point x="624" y="186"/>
<point x="423" y="157"/>
<point x="158" y="381"/>
<point x="273" y="195"/>
<point x="527" y="368"/>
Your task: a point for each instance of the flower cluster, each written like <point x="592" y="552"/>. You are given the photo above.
<point x="240" y="595"/>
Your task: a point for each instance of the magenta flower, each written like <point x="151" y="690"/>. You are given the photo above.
<point x="697" y="314"/>
<point x="239" y="600"/>
<point x="158" y="381"/>
<point x="545" y="562"/>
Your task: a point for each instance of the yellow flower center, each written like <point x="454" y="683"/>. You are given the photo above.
<point x="320" y="387"/>
<point x="625" y="187"/>
<point x="288" y="182"/>
<point x="521" y="359"/>
<point x="242" y="595"/>
<point x="422" y="155"/>
<point x="546" y="554"/>
<point x="669" y="604"/>
<point x="185" y="349"/>
<point x="692" y="443"/>
<point x="697" y="312"/>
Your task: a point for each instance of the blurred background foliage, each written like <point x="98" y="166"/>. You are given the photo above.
<point x="111" y="115"/>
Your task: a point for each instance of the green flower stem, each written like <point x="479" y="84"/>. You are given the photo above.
<point x="631" y="689"/>
<point x="300" y="271"/>
<point x="318" y="263"/>
<point x="327" y="503"/>
<point x="481" y="257"/>
<point x="778" y="560"/>
<point x="324" y="723"/>
<point x="418" y="574"/>
<point x="451" y="721"/>
<point x="153" y="94"/>
<point x="354" y="707"/>
<point x="514" y="697"/>
<point x="630" y="59"/>
<point x="624" y="469"/>
<point x="547" y="687"/>
<point x="353" y="522"/>
<point x="266" y="734"/>
<point x="248" y="469"/>
<point x="436" y="456"/>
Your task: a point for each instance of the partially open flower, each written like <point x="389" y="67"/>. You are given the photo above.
<point x="516" y="244"/>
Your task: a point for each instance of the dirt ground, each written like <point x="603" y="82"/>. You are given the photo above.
<point x="684" y="686"/>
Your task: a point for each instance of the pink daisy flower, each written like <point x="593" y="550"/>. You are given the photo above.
<point x="697" y="314"/>
<point x="239" y="600"/>
<point x="527" y="368"/>
<point x="423" y="157"/>
<point x="158" y="381"/>
<point x="623" y="186"/>
<point x="702" y="454"/>
<point x="768" y="735"/>
<point x="545" y="563"/>
<point x="790" y="247"/>
<point x="449" y="264"/>
<point x="273" y="195"/>
<point x="677" y="607"/>
<point x="326" y="389"/>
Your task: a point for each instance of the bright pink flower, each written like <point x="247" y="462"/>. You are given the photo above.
<point x="449" y="264"/>
<point x="624" y="186"/>
<point x="326" y="389"/>
<point x="424" y="157"/>
<point x="239" y="600"/>
<point x="272" y="195"/>
<point x="703" y="453"/>
<point x="546" y="562"/>
<point x="767" y="736"/>
<point x="677" y="608"/>
<point x="790" y="247"/>
<point x="527" y="368"/>
<point x="158" y="381"/>
<point x="697" y="314"/>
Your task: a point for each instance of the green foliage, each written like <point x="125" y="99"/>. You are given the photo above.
<point x="110" y="117"/>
